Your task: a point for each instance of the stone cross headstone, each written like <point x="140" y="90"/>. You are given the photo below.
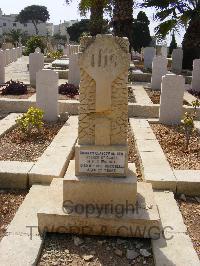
<point x="2" y="67"/>
<point x="158" y="71"/>
<point x="7" y="55"/>
<point x="74" y="70"/>
<point x="177" y="60"/>
<point x="47" y="93"/>
<point x="36" y="63"/>
<point x="149" y="54"/>
<point x="196" y="75"/>
<point x="102" y="145"/>
<point x="171" y="102"/>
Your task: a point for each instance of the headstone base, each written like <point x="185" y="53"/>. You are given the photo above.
<point x="99" y="219"/>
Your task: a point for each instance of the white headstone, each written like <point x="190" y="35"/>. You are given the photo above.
<point x="47" y="93"/>
<point x="158" y="71"/>
<point x="36" y="63"/>
<point x="164" y="51"/>
<point x="177" y="60"/>
<point x="171" y="102"/>
<point x="38" y="50"/>
<point x="74" y="70"/>
<point x="7" y="56"/>
<point x="2" y="67"/>
<point x="196" y="75"/>
<point x="149" y="53"/>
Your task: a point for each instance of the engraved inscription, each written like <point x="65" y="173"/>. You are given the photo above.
<point x="102" y="162"/>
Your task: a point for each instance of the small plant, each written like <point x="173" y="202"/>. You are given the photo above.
<point x="195" y="93"/>
<point x="188" y="123"/>
<point x="55" y="54"/>
<point x="33" y="43"/>
<point x="69" y="90"/>
<point x="14" y="88"/>
<point x="31" y="120"/>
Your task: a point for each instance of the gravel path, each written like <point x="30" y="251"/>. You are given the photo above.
<point x="95" y="251"/>
<point x="10" y="200"/>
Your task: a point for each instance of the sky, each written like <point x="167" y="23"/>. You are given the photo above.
<point x="60" y="11"/>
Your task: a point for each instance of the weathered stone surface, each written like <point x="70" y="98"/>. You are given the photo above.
<point x="171" y="103"/>
<point x="100" y="190"/>
<point x="54" y="219"/>
<point x="2" y="67"/>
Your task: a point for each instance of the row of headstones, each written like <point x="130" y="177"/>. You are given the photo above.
<point x="7" y="57"/>
<point x="177" y="58"/>
<point x="36" y="63"/>
<point x="71" y="49"/>
<point x="171" y="105"/>
<point x="159" y="69"/>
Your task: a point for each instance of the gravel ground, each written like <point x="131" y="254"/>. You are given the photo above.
<point x="133" y="155"/>
<point x="154" y="95"/>
<point x="190" y="210"/>
<point x="31" y="91"/>
<point x="95" y="251"/>
<point x="10" y="200"/>
<point x="66" y="97"/>
<point x="172" y="141"/>
<point x="15" y="146"/>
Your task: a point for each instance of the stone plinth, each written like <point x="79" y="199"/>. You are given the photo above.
<point x="47" y="93"/>
<point x="171" y="103"/>
<point x="36" y="63"/>
<point x="104" y="190"/>
<point x="149" y="53"/>
<point x="158" y="71"/>
<point x="95" y="219"/>
<point x="196" y="75"/>
<point x="177" y="60"/>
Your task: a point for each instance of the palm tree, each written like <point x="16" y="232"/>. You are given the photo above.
<point x="96" y="8"/>
<point x="174" y="14"/>
<point x="123" y="18"/>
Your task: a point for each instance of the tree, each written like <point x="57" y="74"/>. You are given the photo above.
<point x="123" y="18"/>
<point x="174" y="14"/>
<point x="77" y="29"/>
<point x="35" y="14"/>
<point x="173" y="44"/>
<point x="13" y="36"/>
<point x="141" y="33"/>
<point x="96" y="8"/>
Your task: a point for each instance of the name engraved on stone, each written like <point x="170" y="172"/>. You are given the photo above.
<point x="102" y="162"/>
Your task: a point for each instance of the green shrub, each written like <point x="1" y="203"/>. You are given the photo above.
<point x="31" y="120"/>
<point x="33" y="43"/>
<point x="55" y="54"/>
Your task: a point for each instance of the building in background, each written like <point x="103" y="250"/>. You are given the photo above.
<point x="8" y="22"/>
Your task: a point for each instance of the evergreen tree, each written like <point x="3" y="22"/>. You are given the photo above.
<point x="141" y="33"/>
<point x="173" y="44"/>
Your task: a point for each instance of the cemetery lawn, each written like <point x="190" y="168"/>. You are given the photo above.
<point x="154" y="95"/>
<point x="172" y="141"/>
<point x="15" y="146"/>
<point x="190" y="210"/>
<point x="133" y="155"/>
<point x="69" y="250"/>
<point x="10" y="201"/>
<point x="31" y="91"/>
